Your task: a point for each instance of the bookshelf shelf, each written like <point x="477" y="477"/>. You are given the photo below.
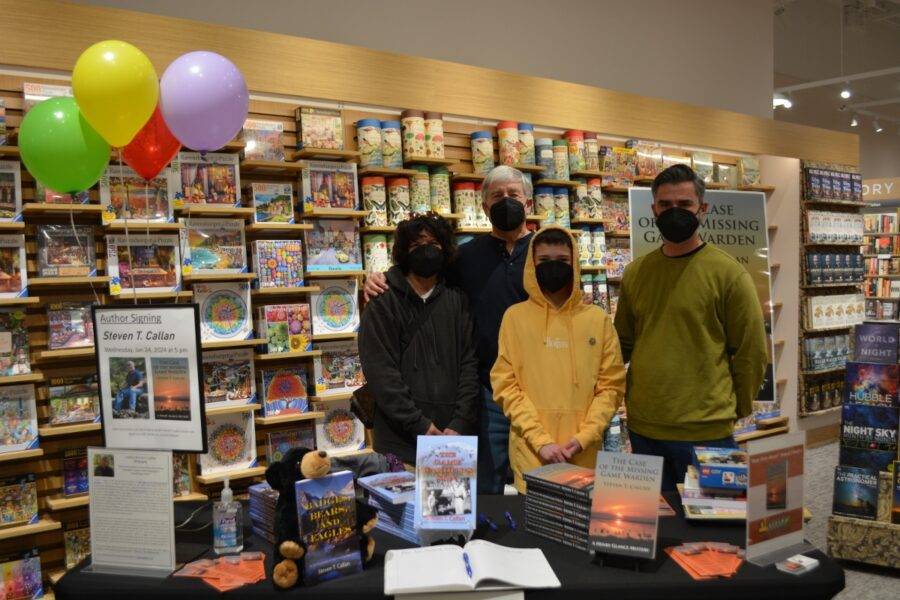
<point x="823" y="371"/>
<point x="129" y="297"/>
<point x="327" y="337"/>
<point x="44" y="355"/>
<point x="820" y="244"/>
<point x="557" y="183"/>
<point x="824" y="411"/>
<point x="214" y="210"/>
<point x="387" y="172"/>
<point x="205" y="277"/>
<point x="284" y="291"/>
<point x="9" y="151"/>
<point x="431" y="162"/>
<point x="588" y="222"/>
<point x="828" y="329"/>
<point x="33" y="377"/>
<point x="331" y="397"/>
<point x="232" y="475"/>
<point x="43" y="208"/>
<point x="66" y="281"/>
<point x="756" y="188"/>
<point x="234" y="344"/>
<point x="529" y="168"/>
<point x="21" y="301"/>
<point x="273" y="356"/>
<point x="138" y="226"/>
<point x="834" y="203"/>
<point x="281" y="419"/>
<point x="315" y="212"/>
<point x="271" y="167"/>
<point x="230" y="410"/>
<point x="536" y="218"/>
<point x="472" y="230"/>
<point x="593" y="269"/>
<point x="12" y="226"/>
<point x="760" y="433"/>
<point x="335" y="274"/>
<point x="60" y="430"/>
<point x="353" y="452"/>
<point x="42" y="526"/>
<point x="618" y="234"/>
<point x="773" y="422"/>
<point x="326" y="154"/>
<point x="192" y="497"/>
<point x="280" y="228"/>
<point x="377" y="229"/>
<point x="591" y="174"/>
<point x="62" y="503"/>
<point x="825" y="286"/>
<point x="467" y="177"/>
<point x="615" y="189"/>
<point x="876" y="234"/>
<point x="20" y="455"/>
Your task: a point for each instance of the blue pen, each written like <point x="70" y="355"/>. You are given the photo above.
<point x="468" y="564"/>
<point x="510" y="520"/>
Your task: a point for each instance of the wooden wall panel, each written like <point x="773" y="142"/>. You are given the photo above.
<point x="50" y="35"/>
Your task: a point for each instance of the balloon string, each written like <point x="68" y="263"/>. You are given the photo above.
<point x="84" y="249"/>
<point x="126" y="212"/>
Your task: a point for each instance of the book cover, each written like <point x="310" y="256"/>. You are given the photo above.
<point x="77" y="541"/>
<point x="287" y="327"/>
<point x="445" y="482"/>
<point x="214" y="246"/>
<point x="329" y="184"/>
<point x="320" y="128"/>
<point x="232" y="443"/>
<point x="338" y="431"/>
<point x="748" y="170"/>
<point x="18" y="500"/>
<point x="334" y="307"/>
<point x="228" y="377"/>
<point x="34" y="93"/>
<point x="625" y="506"/>
<point x="572" y="480"/>
<point x="181" y="474"/>
<point x="895" y="508"/>
<point x="46" y="195"/>
<point x="10" y="185"/>
<point x="333" y="245"/>
<point x="128" y="197"/>
<point x="209" y="178"/>
<point x="283" y="391"/>
<point x="868" y="436"/>
<point x="21" y="575"/>
<point x="74" y="399"/>
<point x="278" y="263"/>
<point x="274" y="202"/>
<point x="75" y="475"/>
<point x="170" y="377"/>
<point x="69" y="325"/>
<point x="872" y="384"/>
<point x="338" y="370"/>
<point x="394" y="488"/>
<point x="876" y="343"/>
<point x="18" y="418"/>
<point x="279" y="442"/>
<point x="702" y="163"/>
<point x="142" y="263"/>
<point x="224" y="311"/>
<point x="855" y="492"/>
<point x="66" y="251"/>
<point x="326" y="511"/>
<point x="262" y="140"/>
<point x="13" y="273"/>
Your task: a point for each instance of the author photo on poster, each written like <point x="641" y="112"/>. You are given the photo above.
<point x="104" y="465"/>
<point x="128" y="380"/>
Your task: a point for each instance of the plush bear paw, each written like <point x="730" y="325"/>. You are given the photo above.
<point x="370" y="525"/>
<point x="291" y="550"/>
<point x="285" y="574"/>
<point x="370" y="549"/>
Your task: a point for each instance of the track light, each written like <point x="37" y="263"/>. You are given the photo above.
<point x="846" y="93"/>
<point x="854" y="121"/>
<point x="782" y="100"/>
<point x="877" y="126"/>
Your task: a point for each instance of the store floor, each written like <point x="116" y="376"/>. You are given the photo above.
<point x="862" y="583"/>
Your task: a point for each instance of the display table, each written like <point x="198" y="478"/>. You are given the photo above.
<point x="580" y="576"/>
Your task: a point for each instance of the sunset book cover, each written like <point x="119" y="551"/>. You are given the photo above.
<point x="625" y="507"/>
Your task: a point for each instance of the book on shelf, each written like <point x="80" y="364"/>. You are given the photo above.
<point x="14" y="351"/>
<point x="22" y="574"/>
<point x="868" y="436"/>
<point x="335" y="307"/>
<point x="338" y="370"/>
<point x="479" y="565"/>
<point x="333" y="245"/>
<point x="826" y="352"/>
<point x="3" y="134"/>
<point x="13" y="267"/>
<point x="69" y="325"/>
<point x="283" y="391"/>
<point x="205" y="178"/>
<point x="231" y="440"/>
<point x="822" y="392"/>
<point x="895" y="495"/>
<point x="702" y="163"/>
<point x="181" y="473"/>
<point x="75" y="475"/>
<point x="748" y="170"/>
<point x="34" y="93"/>
<point x="224" y="311"/>
<point x="18" y="500"/>
<point x="274" y="202"/>
<point x="262" y="140"/>
<point x="872" y="384"/>
<point x="326" y="511"/>
<point x="143" y="264"/>
<point x="881" y="309"/>
<point x="228" y="377"/>
<point x="278" y="443"/>
<point x="726" y="175"/>
<point x="127" y="197"/>
<point x="721" y="469"/>
<point x="278" y="263"/>
<point x="10" y="182"/>
<point x="18" y="427"/>
<point x="45" y="195"/>
<point x="286" y="327"/>
<point x="73" y="399"/>
<point x="66" y="251"/>
<point x="213" y="246"/>
<point x="855" y="492"/>
<point x="319" y="128"/>
<point x="77" y="542"/>
<point x="330" y="185"/>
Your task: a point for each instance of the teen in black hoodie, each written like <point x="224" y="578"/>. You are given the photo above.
<point x="417" y="347"/>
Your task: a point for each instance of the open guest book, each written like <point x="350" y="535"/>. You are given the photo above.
<point x="479" y="565"/>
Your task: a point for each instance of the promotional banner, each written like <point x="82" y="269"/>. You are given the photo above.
<point x="148" y="361"/>
<point x="736" y="223"/>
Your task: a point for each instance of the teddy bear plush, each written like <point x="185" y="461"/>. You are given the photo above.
<point x="297" y="464"/>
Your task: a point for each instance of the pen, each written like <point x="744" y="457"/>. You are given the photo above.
<point x="485" y="520"/>
<point x="510" y="520"/>
<point x="468" y="564"/>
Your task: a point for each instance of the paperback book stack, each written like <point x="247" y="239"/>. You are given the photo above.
<point x="558" y="503"/>
<point x="393" y="496"/>
<point x="262" y="510"/>
<point x="715" y="486"/>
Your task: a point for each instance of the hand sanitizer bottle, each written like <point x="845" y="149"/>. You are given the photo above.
<point x="228" y="530"/>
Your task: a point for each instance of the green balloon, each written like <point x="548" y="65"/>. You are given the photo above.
<point x="59" y="148"/>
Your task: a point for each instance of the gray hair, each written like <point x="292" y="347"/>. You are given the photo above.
<point x="502" y="174"/>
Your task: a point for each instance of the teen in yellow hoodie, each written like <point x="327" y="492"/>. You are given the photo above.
<point x="559" y="375"/>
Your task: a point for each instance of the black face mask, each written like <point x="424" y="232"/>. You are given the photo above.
<point x="677" y="224"/>
<point x="507" y="214"/>
<point x="425" y="261"/>
<point x="553" y="275"/>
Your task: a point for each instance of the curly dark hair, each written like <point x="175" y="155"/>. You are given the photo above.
<point x="408" y="232"/>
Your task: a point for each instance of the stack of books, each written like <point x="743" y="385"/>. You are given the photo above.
<point x="262" y="510"/>
<point x="393" y="495"/>
<point x="715" y="486"/>
<point x="558" y="503"/>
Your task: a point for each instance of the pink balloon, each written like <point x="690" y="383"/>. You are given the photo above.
<point x="204" y="100"/>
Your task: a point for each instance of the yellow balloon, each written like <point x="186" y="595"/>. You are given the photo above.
<point x="116" y="88"/>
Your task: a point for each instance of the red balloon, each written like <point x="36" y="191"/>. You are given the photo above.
<point x="152" y="148"/>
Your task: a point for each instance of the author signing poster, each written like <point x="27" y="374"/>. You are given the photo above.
<point x="148" y="360"/>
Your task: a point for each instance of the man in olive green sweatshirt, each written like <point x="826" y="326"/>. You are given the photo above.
<point x="691" y="324"/>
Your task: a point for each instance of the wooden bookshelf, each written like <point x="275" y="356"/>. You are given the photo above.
<point x="234" y="344"/>
<point x="57" y="503"/>
<point x="215" y="210"/>
<point x="615" y="189"/>
<point x="333" y="213"/>
<point x="588" y="174"/>
<point x="33" y="377"/>
<point x="472" y="230"/>
<point x="431" y="162"/>
<point x="387" y="172"/>
<point x="536" y="218"/>
<point x="12" y="226"/>
<point x="271" y="167"/>
<point x="67" y="281"/>
<point x="9" y="151"/>
<point x="592" y="269"/>
<point x="42" y="526"/>
<point x="65" y="353"/>
<point x="192" y="497"/>
<point x="231" y="475"/>
<point x="282" y="419"/>
<point x="212" y="409"/>
<point x="768" y="189"/>
<point x="284" y="291"/>
<point x="335" y="274"/>
<point x="280" y="228"/>
<point x="207" y="277"/>
<point x="326" y="154"/>
<point x="128" y="296"/>
<point x="588" y="222"/>
<point x="21" y="454"/>
<point x="760" y="433"/>
<point x="331" y="397"/>
<point x="378" y="229"/>
<point x="139" y="226"/>
<point x="45" y="208"/>
<point x="474" y="177"/>
<point x="557" y="183"/>
<point x="60" y="430"/>
<point x="327" y="337"/>
<point x="533" y="169"/>
<point x="832" y="202"/>
<point x="274" y="356"/>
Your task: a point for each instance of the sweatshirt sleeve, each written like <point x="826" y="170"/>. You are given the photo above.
<point x="608" y="391"/>
<point x="379" y="354"/>
<point x="745" y="336"/>
<point x="509" y="395"/>
<point x="625" y="320"/>
<point x="467" y="390"/>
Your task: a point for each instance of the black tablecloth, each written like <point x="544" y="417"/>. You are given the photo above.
<point x="581" y="577"/>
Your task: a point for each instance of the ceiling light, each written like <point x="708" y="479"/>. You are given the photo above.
<point x="846" y="93"/>
<point x="782" y="100"/>
<point x="877" y="126"/>
<point x="854" y="121"/>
